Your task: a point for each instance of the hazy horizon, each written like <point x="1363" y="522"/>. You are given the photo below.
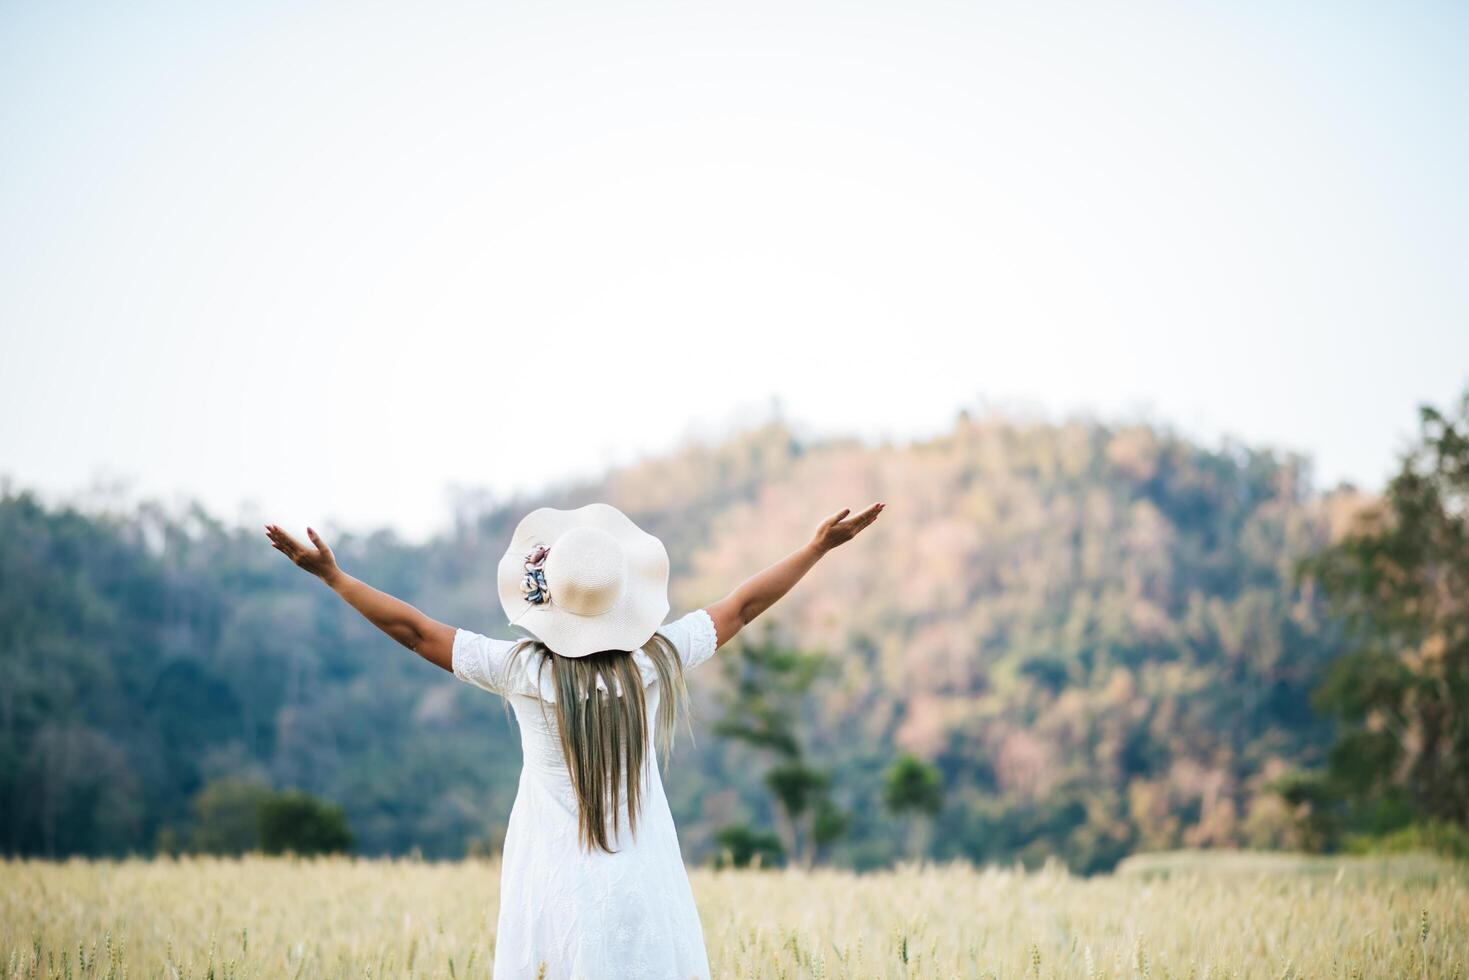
<point x="109" y="490"/>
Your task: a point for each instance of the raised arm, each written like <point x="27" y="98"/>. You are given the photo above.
<point x="738" y="609"/>
<point x="433" y="641"/>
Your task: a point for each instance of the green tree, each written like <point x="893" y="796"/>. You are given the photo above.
<point x="829" y="824"/>
<point x="227" y="816"/>
<point x="299" y="823"/>
<point x="740" y="845"/>
<point x="913" y="789"/>
<point x="1315" y="804"/>
<point x="1401" y="578"/>
<point x="762" y="705"/>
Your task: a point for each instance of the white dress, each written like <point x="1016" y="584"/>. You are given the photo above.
<point x="587" y="915"/>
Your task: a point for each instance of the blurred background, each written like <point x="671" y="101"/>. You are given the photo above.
<point x="1126" y="311"/>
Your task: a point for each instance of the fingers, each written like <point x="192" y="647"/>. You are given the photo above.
<point x="283" y="542"/>
<point x="836" y="518"/>
<point x="316" y="539"/>
<point x="839" y="527"/>
<point x="863" y="519"/>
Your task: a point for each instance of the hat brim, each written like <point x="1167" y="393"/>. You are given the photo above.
<point x="633" y="618"/>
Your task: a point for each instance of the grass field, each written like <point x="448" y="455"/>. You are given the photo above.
<point x="1178" y="915"/>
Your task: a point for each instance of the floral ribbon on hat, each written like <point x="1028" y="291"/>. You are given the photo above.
<point x="533" y="585"/>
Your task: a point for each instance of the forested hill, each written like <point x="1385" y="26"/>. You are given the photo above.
<point x="1093" y="632"/>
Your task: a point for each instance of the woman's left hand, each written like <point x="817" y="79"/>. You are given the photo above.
<point x="840" y="528"/>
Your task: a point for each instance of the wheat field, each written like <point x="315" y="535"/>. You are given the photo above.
<point x="1169" y="916"/>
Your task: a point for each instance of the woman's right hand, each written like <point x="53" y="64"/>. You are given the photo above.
<point x="431" y="640"/>
<point x="319" y="561"/>
<point x="839" y="528"/>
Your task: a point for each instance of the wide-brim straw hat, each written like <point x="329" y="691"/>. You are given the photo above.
<point x="584" y="581"/>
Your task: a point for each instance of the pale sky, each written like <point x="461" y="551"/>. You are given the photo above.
<point x="332" y="259"/>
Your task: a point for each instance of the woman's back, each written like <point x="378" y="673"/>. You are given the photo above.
<point x="584" y="911"/>
<point x="544" y="760"/>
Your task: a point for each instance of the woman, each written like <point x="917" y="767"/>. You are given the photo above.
<point x="592" y="880"/>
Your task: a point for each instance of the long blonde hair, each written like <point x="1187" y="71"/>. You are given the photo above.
<point x="604" y="737"/>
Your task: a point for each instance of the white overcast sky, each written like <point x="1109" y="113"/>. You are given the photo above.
<point x="329" y="260"/>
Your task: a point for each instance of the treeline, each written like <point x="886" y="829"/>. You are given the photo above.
<point x="1070" y="639"/>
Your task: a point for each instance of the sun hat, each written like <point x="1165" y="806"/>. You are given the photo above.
<point x="583" y="581"/>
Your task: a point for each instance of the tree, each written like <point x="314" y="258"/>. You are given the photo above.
<point x="741" y="845"/>
<point x="227" y="816"/>
<point x="298" y="823"/>
<point x="913" y="789"/>
<point x="829" y="824"/>
<point x="767" y="687"/>
<point x="1401" y="578"/>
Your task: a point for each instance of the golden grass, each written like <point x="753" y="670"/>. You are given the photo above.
<point x="1174" y="916"/>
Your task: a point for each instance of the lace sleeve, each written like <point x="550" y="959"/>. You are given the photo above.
<point x="693" y="637"/>
<point x="480" y="660"/>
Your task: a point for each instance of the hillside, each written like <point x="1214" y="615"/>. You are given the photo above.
<point x="1093" y="631"/>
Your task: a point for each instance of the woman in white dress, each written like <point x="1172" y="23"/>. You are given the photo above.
<point x="592" y="881"/>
